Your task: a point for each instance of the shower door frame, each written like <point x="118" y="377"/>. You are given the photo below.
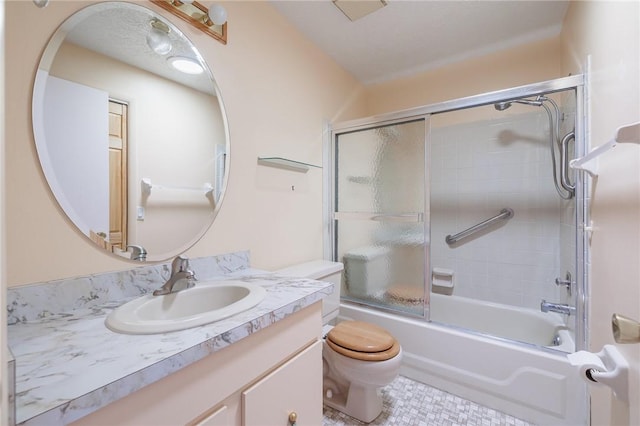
<point x="582" y="219"/>
<point x="426" y="218"/>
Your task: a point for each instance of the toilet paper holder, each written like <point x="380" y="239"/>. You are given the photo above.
<point x="607" y="367"/>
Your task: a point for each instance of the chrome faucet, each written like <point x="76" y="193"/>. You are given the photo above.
<point x="180" y="273"/>
<point x="560" y="308"/>
<point x="138" y="253"/>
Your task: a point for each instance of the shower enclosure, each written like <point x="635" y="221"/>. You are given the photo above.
<point x="463" y="218"/>
<point x="465" y="214"/>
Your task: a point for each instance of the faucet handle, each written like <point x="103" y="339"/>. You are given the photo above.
<point x="567" y="282"/>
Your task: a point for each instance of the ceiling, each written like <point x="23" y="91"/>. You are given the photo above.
<point x="119" y="31"/>
<point x="410" y="36"/>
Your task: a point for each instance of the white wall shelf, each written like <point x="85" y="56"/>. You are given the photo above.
<point x="625" y="134"/>
<point x="285" y="163"/>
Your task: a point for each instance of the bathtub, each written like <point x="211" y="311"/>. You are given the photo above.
<point x="508" y="322"/>
<point x="533" y="384"/>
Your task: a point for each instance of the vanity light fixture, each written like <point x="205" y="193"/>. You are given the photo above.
<point x="158" y="37"/>
<point x="186" y="65"/>
<point x="212" y="20"/>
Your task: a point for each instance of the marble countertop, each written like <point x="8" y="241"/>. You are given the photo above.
<point x="72" y="365"/>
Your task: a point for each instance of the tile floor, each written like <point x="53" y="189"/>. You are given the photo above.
<point x="410" y="403"/>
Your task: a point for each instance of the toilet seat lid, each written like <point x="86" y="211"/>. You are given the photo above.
<point x="362" y="340"/>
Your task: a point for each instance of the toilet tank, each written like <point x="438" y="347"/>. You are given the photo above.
<point x="321" y="270"/>
<point x="367" y="270"/>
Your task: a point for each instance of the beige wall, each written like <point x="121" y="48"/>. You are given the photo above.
<point x="526" y="64"/>
<point x="610" y="33"/>
<point x="278" y="90"/>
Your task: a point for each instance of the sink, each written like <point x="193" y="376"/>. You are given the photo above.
<point x="203" y="304"/>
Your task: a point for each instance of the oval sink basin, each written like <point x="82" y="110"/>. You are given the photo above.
<point x="203" y="304"/>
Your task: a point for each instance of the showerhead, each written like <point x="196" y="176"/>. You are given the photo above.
<point x="501" y="106"/>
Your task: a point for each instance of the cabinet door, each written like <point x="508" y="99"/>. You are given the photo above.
<point x="294" y="387"/>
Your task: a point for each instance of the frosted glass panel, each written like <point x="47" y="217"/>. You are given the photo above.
<point x="380" y="202"/>
<point x="382" y="169"/>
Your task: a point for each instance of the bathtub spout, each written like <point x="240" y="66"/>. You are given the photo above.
<point x="560" y="308"/>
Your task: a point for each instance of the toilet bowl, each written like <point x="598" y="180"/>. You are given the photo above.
<point x="359" y="358"/>
<point x="356" y="368"/>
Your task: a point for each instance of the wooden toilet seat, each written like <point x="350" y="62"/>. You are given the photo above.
<point x="363" y="341"/>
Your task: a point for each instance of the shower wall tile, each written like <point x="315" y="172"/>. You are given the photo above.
<point x="476" y="171"/>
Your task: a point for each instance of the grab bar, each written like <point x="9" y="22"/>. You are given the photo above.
<point x="564" y="163"/>
<point x="505" y="214"/>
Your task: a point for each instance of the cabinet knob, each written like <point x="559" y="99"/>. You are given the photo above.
<point x="293" y="417"/>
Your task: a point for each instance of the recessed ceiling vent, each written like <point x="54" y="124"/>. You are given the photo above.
<point x="356" y="9"/>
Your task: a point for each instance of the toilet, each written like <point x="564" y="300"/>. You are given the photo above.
<point x="358" y="357"/>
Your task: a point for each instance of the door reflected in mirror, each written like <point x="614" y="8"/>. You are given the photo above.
<point x="134" y="150"/>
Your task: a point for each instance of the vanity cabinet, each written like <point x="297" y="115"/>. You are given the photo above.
<point x="259" y="380"/>
<point x="293" y="388"/>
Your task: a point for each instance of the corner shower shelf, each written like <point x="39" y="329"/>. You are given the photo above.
<point x="285" y="163"/>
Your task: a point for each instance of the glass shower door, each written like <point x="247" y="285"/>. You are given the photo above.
<point x="487" y="160"/>
<point x="379" y="215"/>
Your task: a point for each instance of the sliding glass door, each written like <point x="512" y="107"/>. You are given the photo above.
<point x="380" y="214"/>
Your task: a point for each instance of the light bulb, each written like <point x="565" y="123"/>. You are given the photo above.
<point x="158" y="38"/>
<point x="217" y="14"/>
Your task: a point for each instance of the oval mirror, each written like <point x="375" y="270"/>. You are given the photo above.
<point x="134" y="148"/>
